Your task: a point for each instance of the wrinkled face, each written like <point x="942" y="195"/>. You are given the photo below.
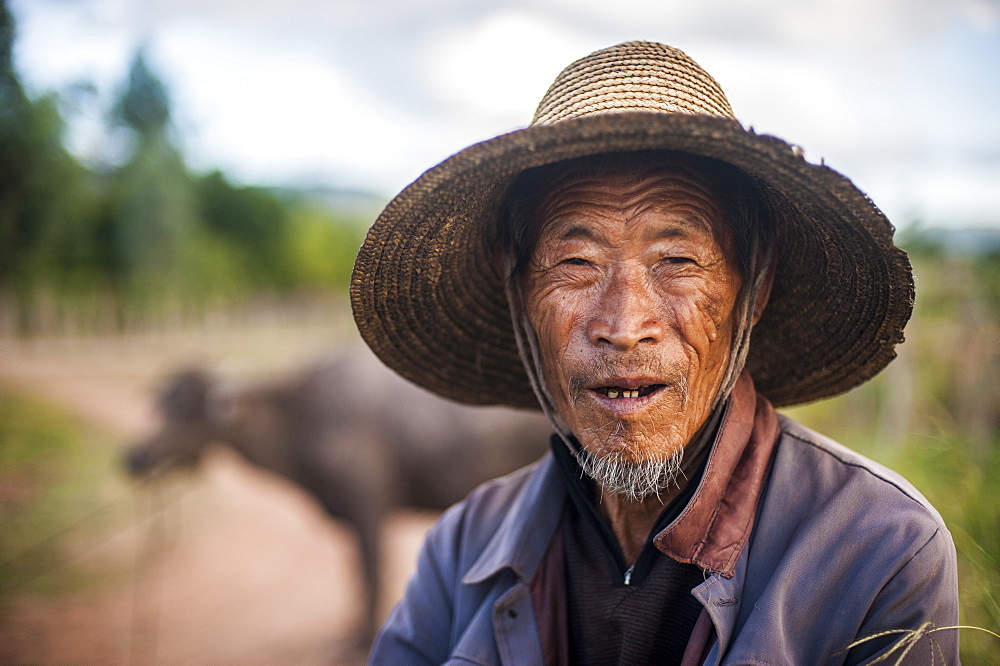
<point x="631" y="292"/>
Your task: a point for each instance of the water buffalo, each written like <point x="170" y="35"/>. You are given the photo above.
<point x="357" y="437"/>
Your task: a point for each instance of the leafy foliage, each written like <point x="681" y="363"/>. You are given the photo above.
<point x="40" y="184"/>
<point x="113" y="247"/>
<point x="145" y="106"/>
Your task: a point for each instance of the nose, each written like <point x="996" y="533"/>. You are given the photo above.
<point x="626" y="314"/>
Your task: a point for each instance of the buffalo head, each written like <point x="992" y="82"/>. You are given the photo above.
<point x="187" y="406"/>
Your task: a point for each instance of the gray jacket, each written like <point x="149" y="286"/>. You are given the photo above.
<point x="838" y="549"/>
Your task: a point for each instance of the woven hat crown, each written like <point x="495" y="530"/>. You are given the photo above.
<point x="634" y="76"/>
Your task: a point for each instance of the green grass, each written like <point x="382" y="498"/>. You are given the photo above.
<point x="967" y="493"/>
<point x="53" y="492"/>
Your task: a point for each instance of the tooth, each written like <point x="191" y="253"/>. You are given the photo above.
<point x="612" y="393"/>
<point x="633" y="394"/>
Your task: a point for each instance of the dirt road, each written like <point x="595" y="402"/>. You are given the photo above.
<point x="228" y="565"/>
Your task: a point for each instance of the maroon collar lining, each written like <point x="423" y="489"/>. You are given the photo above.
<point x="714" y="528"/>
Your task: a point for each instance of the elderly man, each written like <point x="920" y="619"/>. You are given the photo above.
<point x="655" y="277"/>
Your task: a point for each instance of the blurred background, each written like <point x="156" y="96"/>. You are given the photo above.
<point x="188" y="182"/>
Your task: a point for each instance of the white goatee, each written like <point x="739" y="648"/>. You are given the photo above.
<point x="632" y="481"/>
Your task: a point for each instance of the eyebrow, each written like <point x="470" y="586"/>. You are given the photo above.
<point x="661" y="233"/>
<point x="690" y="224"/>
<point x="572" y="230"/>
<point x="575" y="230"/>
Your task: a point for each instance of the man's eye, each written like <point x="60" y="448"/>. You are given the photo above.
<point x="575" y="261"/>
<point x="678" y="260"/>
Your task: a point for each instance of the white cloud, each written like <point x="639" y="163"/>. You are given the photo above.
<point x="499" y="67"/>
<point x="811" y="24"/>
<point x="276" y="114"/>
<point x="883" y="25"/>
<point x="959" y="194"/>
<point x="70" y="44"/>
<point x="374" y="92"/>
<point x="803" y="100"/>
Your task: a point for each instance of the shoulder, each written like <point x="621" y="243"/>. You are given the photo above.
<point x="487" y="504"/>
<point x="500" y="516"/>
<point x="470" y="557"/>
<point x="835" y="500"/>
<point x="831" y="467"/>
<point x="843" y="548"/>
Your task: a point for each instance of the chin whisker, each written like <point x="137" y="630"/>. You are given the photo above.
<point x="631" y="480"/>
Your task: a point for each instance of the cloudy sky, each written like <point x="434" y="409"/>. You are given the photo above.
<point x="901" y="95"/>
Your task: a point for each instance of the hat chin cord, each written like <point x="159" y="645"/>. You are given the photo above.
<point x="527" y="349"/>
<point x="695" y="451"/>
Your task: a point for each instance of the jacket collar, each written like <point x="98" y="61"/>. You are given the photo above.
<point x="523" y="536"/>
<point x="713" y="529"/>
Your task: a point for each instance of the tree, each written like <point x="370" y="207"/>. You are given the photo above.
<point x="144" y="105"/>
<point x="150" y="218"/>
<point x="17" y="233"/>
<point x="253" y="222"/>
<point x="41" y="185"/>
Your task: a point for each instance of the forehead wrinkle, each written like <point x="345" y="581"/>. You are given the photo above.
<point x="680" y="217"/>
<point x="572" y="198"/>
<point x="671" y="187"/>
<point x="630" y="188"/>
<point x="568" y="219"/>
<point x="683" y="217"/>
<point x="664" y="180"/>
<point x="578" y="194"/>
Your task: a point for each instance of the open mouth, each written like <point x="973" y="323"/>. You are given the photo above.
<point x="620" y="392"/>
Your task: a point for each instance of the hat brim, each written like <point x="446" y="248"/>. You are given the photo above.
<point x="428" y="301"/>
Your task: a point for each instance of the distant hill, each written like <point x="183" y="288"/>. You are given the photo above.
<point x="970" y="242"/>
<point x="354" y="203"/>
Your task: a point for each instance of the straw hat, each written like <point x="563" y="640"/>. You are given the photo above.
<point x="428" y="302"/>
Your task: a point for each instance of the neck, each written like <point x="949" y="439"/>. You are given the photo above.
<point x="631" y="521"/>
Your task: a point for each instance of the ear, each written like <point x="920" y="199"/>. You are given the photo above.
<point x="501" y="267"/>
<point x="764" y="293"/>
<point x="185" y="393"/>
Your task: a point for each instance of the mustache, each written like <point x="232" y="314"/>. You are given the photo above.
<point x="636" y="362"/>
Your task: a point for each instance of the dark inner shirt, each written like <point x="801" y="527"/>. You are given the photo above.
<point x="645" y="621"/>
